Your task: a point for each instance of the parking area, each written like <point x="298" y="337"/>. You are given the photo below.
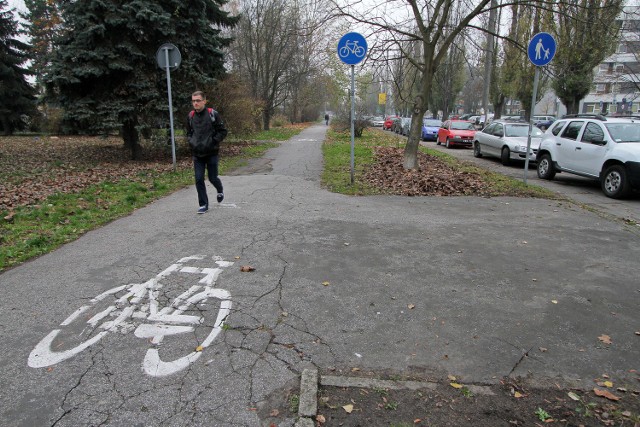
<point x="583" y="191"/>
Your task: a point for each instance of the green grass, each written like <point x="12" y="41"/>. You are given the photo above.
<point x="274" y="134"/>
<point x="36" y="230"/>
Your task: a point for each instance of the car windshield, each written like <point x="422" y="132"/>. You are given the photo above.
<point x="522" y="130"/>
<point x="432" y="123"/>
<point x="462" y="126"/>
<point x="624" y="132"/>
<point x="377" y="119"/>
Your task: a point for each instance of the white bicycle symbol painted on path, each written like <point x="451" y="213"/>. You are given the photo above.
<point x="351" y="46"/>
<point x="138" y="307"/>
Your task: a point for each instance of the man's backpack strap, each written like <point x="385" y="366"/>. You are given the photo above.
<point x="193" y="113"/>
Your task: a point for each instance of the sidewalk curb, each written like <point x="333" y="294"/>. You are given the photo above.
<point x="309" y="381"/>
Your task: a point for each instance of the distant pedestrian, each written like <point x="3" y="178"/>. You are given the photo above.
<point x="326" y="119"/>
<point x="205" y="130"/>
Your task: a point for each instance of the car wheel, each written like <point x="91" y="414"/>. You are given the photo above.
<point x="615" y="183"/>
<point x="546" y="170"/>
<point x="476" y="150"/>
<point x="447" y="144"/>
<point x="505" y="156"/>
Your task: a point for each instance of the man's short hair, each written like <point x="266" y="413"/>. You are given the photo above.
<point x="199" y="93"/>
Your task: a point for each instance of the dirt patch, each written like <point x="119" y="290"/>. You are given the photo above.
<point x="453" y="403"/>
<point x="33" y="168"/>
<point x="435" y="177"/>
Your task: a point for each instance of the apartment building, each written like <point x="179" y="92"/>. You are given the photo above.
<point x="616" y="83"/>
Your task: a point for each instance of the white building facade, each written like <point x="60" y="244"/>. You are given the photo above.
<point x="616" y="83"/>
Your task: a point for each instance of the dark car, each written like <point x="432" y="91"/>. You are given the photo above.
<point x="543" y="122"/>
<point x="396" y="125"/>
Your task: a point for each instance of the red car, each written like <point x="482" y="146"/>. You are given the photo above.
<point x="388" y="121"/>
<point x="456" y="132"/>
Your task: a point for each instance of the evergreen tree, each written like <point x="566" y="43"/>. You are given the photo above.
<point x="16" y="94"/>
<point x="104" y="73"/>
<point x="588" y="32"/>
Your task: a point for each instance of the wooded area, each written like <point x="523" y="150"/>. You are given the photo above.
<point x="88" y="67"/>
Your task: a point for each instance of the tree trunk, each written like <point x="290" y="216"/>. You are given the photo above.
<point x="131" y="139"/>
<point x="6" y="125"/>
<point x="572" y="105"/>
<point x="266" y="119"/>
<point x="415" y="134"/>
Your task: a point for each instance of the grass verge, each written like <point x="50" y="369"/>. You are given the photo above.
<point x="337" y="172"/>
<point x="31" y="231"/>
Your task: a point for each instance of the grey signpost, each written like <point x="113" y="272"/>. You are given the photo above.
<point x="541" y="50"/>
<point x="169" y="58"/>
<point x="352" y="49"/>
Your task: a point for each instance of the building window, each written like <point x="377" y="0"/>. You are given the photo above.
<point x="601" y="88"/>
<point x="604" y="67"/>
<point x="590" y="109"/>
<point x="622" y="48"/>
<point x="619" y="68"/>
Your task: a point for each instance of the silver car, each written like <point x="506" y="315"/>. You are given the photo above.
<point x="507" y="141"/>
<point x="377" y="121"/>
<point x="404" y="126"/>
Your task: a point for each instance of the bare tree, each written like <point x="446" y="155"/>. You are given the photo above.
<point x="435" y="25"/>
<point x="588" y="32"/>
<point x="265" y="47"/>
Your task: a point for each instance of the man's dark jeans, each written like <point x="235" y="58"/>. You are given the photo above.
<point x="199" y="165"/>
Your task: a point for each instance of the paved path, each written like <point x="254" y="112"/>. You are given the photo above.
<point x="475" y="287"/>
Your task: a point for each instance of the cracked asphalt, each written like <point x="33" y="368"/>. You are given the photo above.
<point x="479" y="288"/>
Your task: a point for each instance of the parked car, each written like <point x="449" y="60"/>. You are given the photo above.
<point x="405" y="125"/>
<point x="456" y="132"/>
<point x="377" y="121"/>
<point x="464" y="117"/>
<point x="430" y="129"/>
<point x="482" y="120"/>
<point x="507" y="140"/>
<point x="603" y="148"/>
<point x="543" y="122"/>
<point x="388" y="121"/>
<point x="473" y="119"/>
<point x="395" y="125"/>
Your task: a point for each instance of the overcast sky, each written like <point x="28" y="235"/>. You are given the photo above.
<point x="18" y="4"/>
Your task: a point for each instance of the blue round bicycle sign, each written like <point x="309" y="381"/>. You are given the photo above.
<point x="352" y="48"/>
<point x="542" y="48"/>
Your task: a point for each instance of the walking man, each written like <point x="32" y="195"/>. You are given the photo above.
<point x="205" y="130"/>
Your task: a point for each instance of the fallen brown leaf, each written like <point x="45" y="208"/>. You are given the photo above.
<point x="605" y="339"/>
<point x="246" y="268"/>
<point x="274" y="413"/>
<point x="605" y="393"/>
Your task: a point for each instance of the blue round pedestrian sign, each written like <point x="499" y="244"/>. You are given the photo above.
<point x="352" y="48"/>
<point x="542" y="48"/>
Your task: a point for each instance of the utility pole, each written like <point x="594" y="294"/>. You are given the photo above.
<point x="488" y="60"/>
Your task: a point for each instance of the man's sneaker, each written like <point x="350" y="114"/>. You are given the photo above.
<point x="203" y="209"/>
<point x="220" y="197"/>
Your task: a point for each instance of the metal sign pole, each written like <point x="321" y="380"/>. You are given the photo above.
<point x="173" y="141"/>
<point x="353" y="119"/>
<point x="533" y="106"/>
